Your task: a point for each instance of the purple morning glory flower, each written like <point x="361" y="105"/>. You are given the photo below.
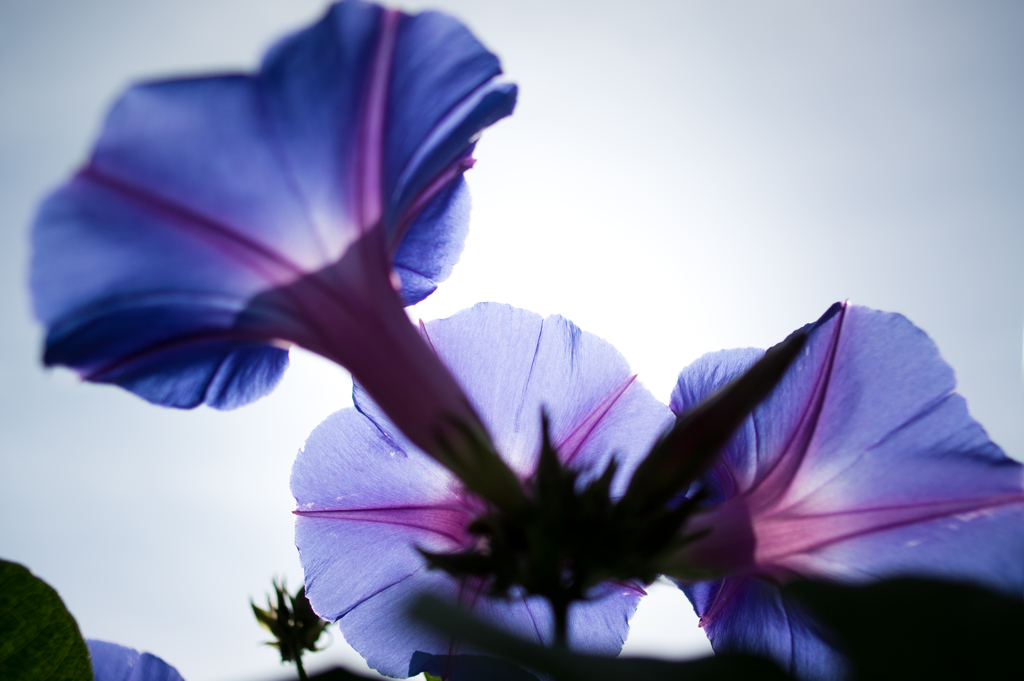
<point x="113" y="662"/>
<point x="863" y="464"/>
<point x="367" y="498"/>
<point x="221" y="219"/>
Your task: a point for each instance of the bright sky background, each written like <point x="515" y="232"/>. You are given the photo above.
<point x="679" y="177"/>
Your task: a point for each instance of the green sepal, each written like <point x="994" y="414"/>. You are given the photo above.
<point x="291" y="621"/>
<point x="693" y="444"/>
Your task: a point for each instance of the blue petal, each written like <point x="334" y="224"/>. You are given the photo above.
<point x="365" y="502"/>
<point x="737" y="464"/>
<point x="110" y="661"/>
<point x="131" y="300"/>
<point x="223" y="375"/>
<point x="862" y="464"/>
<point x="113" y="662"/>
<point x="375" y="627"/>
<point x="367" y="498"/>
<point x="442" y="94"/>
<point x="433" y="243"/>
<point x="315" y="89"/>
<point x="203" y="194"/>
<point x="758" y="621"/>
<point x="202" y="151"/>
<point x="595" y="405"/>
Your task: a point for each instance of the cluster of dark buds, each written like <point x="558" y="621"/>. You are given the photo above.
<point x="568" y="536"/>
<point x="292" y="622"/>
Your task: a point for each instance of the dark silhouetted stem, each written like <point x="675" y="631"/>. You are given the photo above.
<point x="298" y="665"/>
<point x="561" y="610"/>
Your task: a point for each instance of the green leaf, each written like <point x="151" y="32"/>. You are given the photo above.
<point x="39" y="638"/>
<point x="431" y="677"/>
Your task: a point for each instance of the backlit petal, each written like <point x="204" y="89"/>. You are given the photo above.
<point x="113" y="662"/>
<point x="595" y="406"/>
<point x="367" y="498"/>
<point x="863" y="464"/>
<point x="755" y="619"/>
<point x="204" y="196"/>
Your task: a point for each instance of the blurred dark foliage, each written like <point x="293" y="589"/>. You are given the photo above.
<point x="562" y="665"/>
<point x="467" y="668"/>
<point x="919" y="628"/>
<point x="896" y="630"/>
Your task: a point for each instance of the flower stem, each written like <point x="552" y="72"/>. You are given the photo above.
<point x="561" y="609"/>
<point x="302" y="671"/>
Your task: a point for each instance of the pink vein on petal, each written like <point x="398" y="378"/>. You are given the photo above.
<point x="426" y="336"/>
<point x="370" y="174"/>
<point x="726" y="592"/>
<point x="269" y="264"/>
<point x="570" y="446"/>
<point x="776" y="483"/>
<point x="424" y="197"/>
<point x="447" y="521"/>
<point x="780" y="536"/>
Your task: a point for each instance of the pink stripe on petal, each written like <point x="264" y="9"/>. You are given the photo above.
<point x="726" y="592"/>
<point x="370" y="176"/>
<point x="431" y="190"/>
<point x="779" y="536"/>
<point x="777" y="483"/>
<point x="448" y="522"/>
<point x="269" y="264"/>
<point x="571" y="445"/>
